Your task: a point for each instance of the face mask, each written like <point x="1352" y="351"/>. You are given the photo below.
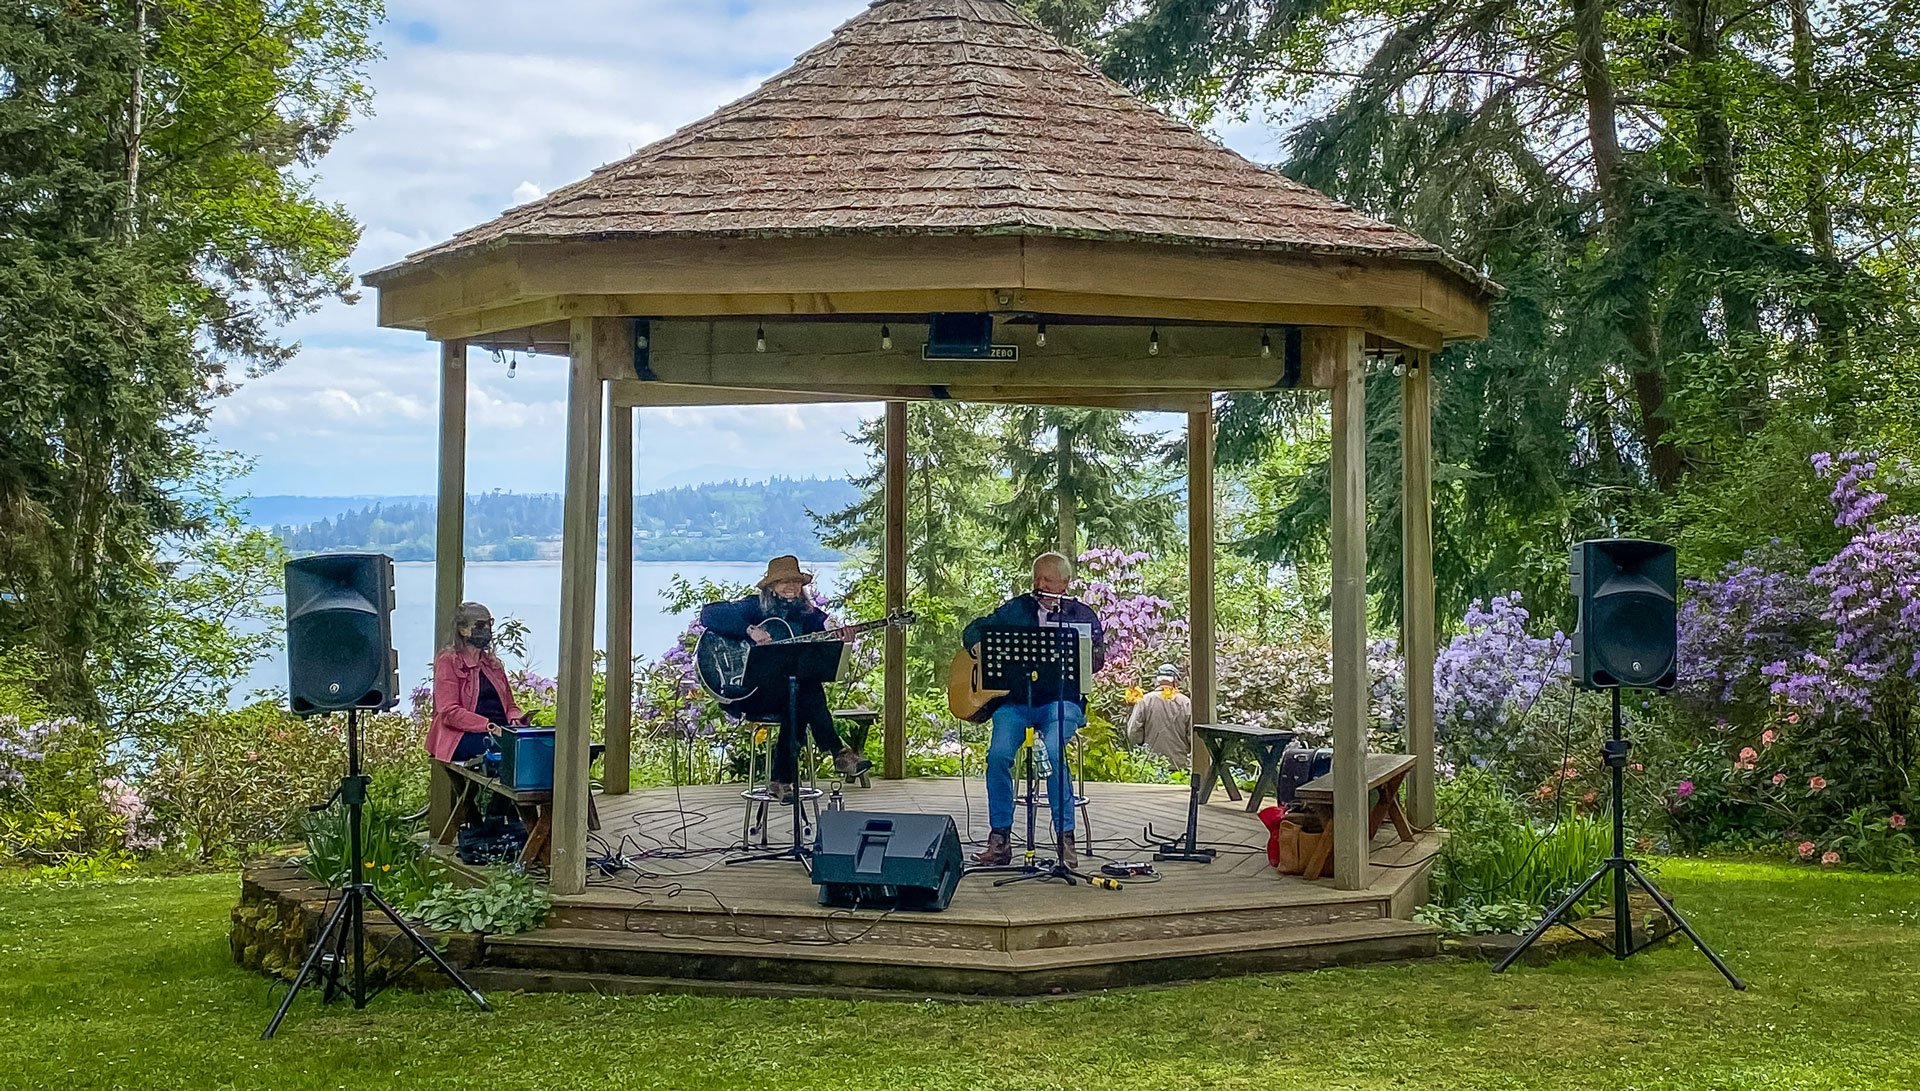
<point x="480" y="637"/>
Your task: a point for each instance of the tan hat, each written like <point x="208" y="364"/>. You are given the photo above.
<point x="782" y="569"/>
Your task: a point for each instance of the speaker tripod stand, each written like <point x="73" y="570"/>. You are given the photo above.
<point x="1621" y="870"/>
<point x="342" y="939"/>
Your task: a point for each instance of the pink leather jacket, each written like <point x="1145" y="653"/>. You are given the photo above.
<point x="456" y="690"/>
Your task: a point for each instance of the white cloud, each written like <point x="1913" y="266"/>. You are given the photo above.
<point x="527" y="191"/>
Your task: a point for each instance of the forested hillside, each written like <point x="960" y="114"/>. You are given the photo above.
<point x="725" y="521"/>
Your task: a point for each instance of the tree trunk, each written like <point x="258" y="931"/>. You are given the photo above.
<point x="1610" y="184"/>
<point x="1063" y="494"/>
<point x="136" y="118"/>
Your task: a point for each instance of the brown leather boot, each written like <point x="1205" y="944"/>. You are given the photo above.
<point x="999" y="850"/>
<point x="1066" y="852"/>
<point x="850" y="764"/>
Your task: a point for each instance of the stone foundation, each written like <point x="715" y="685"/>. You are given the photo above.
<point x="280" y="914"/>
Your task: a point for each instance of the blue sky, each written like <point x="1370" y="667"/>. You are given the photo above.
<point x="478" y="107"/>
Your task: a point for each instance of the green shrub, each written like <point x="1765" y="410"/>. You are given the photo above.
<point x="508" y="903"/>
<point x="1496" y="858"/>
<point x="396" y="864"/>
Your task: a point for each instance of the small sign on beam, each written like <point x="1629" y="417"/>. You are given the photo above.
<point x="994" y="352"/>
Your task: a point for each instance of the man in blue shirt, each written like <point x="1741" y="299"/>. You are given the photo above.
<point x="1054" y="722"/>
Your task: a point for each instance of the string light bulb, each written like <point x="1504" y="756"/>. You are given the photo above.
<point x="513" y="365"/>
<point x="760" y="339"/>
<point x="1266" y="345"/>
<point x="886" y="337"/>
<point x="1040" y="337"/>
<point x="1153" y="343"/>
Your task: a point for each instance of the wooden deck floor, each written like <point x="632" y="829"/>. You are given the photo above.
<point x="673" y="908"/>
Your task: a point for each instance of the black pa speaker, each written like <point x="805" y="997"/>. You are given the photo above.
<point x="878" y="860"/>
<point x="340" y="633"/>
<point x="1628" y="635"/>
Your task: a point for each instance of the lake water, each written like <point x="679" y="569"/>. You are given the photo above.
<point x="530" y="591"/>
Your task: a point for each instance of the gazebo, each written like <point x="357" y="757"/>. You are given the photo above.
<point x="942" y="165"/>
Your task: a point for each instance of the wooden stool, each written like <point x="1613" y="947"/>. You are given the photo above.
<point x="1385" y="775"/>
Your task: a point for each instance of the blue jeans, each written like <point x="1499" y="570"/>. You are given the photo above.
<point x="1010" y="723"/>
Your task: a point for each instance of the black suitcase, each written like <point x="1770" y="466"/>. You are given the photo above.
<point x="1298" y="765"/>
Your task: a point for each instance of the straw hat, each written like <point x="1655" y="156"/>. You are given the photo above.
<point x="782" y="569"/>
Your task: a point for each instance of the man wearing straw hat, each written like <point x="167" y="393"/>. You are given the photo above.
<point x="783" y="609"/>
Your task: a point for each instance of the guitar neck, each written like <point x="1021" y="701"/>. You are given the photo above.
<point x="837" y="633"/>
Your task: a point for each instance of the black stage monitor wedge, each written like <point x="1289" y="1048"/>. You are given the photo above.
<point x="1628" y="634"/>
<point x="340" y="633"/>
<point x="880" y="860"/>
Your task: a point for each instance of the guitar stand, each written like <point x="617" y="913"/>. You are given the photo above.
<point x="1186" y="847"/>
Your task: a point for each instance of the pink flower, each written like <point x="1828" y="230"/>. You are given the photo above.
<point x="1748" y="754"/>
<point x="1637" y="767"/>
<point x="1779" y="779"/>
<point x="1793" y="717"/>
<point x="1806" y="850"/>
<point x="1683" y="789"/>
<point x="1829" y="858"/>
<point x="1896" y="821"/>
<point x="1816" y="784"/>
<point x="1768" y="736"/>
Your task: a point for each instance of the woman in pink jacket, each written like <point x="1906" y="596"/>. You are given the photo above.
<point x="471" y="698"/>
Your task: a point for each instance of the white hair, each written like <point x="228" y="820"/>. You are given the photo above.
<point x="1058" y="562"/>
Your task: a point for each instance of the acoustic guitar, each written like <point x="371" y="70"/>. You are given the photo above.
<point x="966" y="698"/>
<point x="721" y="662"/>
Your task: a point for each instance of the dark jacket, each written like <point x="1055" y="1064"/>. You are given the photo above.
<point x="732" y="619"/>
<point x="1025" y="610"/>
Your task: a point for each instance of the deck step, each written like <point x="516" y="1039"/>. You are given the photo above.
<point x="927" y="971"/>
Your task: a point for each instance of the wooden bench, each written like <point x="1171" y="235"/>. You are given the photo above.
<point x="1385" y="774"/>
<point x="1267" y="745"/>
<point x="535" y="807"/>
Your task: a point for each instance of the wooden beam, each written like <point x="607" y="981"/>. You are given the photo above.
<point x="1413" y="301"/>
<point x="834" y="355"/>
<point x="1202" y="687"/>
<point x="450" y="515"/>
<point x="633" y="392"/>
<point x="594" y="341"/>
<point x="618" y="770"/>
<point x="532" y="324"/>
<point x="1349" y="549"/>
<point x="1418" y="636"/>
<point x="894" y="560"/>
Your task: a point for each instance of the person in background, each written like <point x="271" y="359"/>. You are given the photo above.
<point x="1162" y="719"/>
<point x="471" y="698"/>
<point x="782" y="609"/>
<point x="1054" y="722"/>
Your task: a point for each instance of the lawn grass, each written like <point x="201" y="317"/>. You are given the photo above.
<point x="128" y="985"/>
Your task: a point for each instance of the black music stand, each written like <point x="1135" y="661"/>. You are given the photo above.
<point x="1030" y="660"/>
<point x="784" y="665"/>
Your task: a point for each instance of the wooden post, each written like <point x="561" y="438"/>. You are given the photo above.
<point x="1416" y="575"/>
<point x="593" y="342"/>
<point x="619" y="758"/>
<point x="1201" y="686"/>
<point x="1349" y="534"/>
<point x="450" y="520"/>
<point x="894" y="560"/>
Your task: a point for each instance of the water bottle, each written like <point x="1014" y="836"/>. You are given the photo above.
<point x="1042" y="761"/>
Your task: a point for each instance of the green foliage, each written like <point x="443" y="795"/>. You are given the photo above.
<point x="728" y="521"/>
<point x="1496" y="859"/>
<point x="157" y="222"/>
<point x="395" y="863"/>
<point x="1877" y="842"/>
<point x="507" y="904"/>
<point x="236" y="779"/>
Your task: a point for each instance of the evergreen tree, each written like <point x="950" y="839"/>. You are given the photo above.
<point x="156" y="223"/>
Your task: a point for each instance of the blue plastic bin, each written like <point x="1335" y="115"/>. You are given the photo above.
<point x="526" y="759"/>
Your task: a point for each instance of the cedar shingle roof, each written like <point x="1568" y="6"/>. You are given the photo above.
<point x="944" y="117"/>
